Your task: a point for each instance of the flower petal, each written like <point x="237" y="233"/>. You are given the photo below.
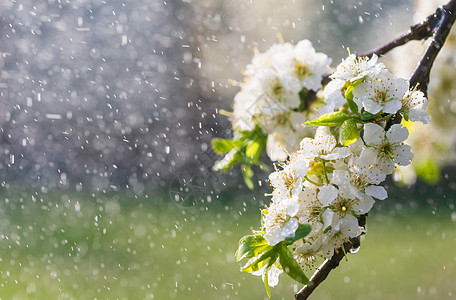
<point x="375" y="191"/>
<point x="375" y="176"/>
<point x="386" y="165"/>
<point x="371" y="106"/>
<point x="416" y="115"/>
<point x="403" y="155"/>
<point x="337" y="153"/>
<point x="364" y="204"/>
<point x="340" y="177"/>
<point x="327" y="194"/>
<point x="392" y="106"/>
<point x="349" y="226"/>
<point x="373" y="134"/>
<point x="397" y="134"/>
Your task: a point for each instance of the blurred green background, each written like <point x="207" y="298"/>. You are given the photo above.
<point x="64" y="245"/>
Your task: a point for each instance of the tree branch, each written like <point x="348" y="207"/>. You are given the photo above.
<point x="437" y="25"/>
<point x="329" y="264"/>
<point x="416" y="32"/>
<point x="446" y="20"/>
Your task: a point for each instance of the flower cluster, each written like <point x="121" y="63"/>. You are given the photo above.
<point x="271" y="95"/>
<point x="334" y="178"/>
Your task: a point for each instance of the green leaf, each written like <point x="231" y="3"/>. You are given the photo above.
<point x="366" y="115"/>
<point x="349" y="96"/>
<point x="266" y="283"/>
<point x="222" y="146"/>
<point x="303" y="105"/>
<point x="229" y="161"/>
<point x="349" y="132"/>
<point x="316" y="168"/>
<point x="406" y="115"/>
<point x="353" y="106"/>
<point x="265" y="259"/>
<point x="255" y="148"/>
<point x="302" y="231"/>
<point x="290" y="266"/>
<point x="247" y="173"/>
<point x="254" y="134"/>
<point x="251" y="246"/>
<point x="330" y="119"/>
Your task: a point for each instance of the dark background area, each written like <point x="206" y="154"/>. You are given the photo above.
<point x="126" y="93"/>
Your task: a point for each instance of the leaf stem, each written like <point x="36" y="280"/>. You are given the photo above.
<point x="311" y="181"/>
<point x="326" y="173"/>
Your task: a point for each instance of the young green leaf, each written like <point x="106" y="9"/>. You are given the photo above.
<point x="406" y="115"/>
<point x="255" y="148"/>
<point x="251" y="246"/>
<point x="290" y="266"/>
<point x="366" y="115"/>
<point x="303" y="94"/>
<point x="266" y="283"/>
<point x="349" y="96"/>
<point x="254" y="134"/>
<point x="262" y="261"/>
<point x="247" y="173"/>
<point x="302" y="231"/>
<point x="231" y="158"/>
<point x="349" y="132"/>
<point x="222" y="146"/>
<point x="330" y="119"/>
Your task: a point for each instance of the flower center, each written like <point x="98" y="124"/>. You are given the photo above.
<point x="380" y="97"/>
<point x="358" y="181"/>
<point x="282" y="119"/>
<point x="300" y="70"/>
<point x="315" y="213"/>
<point x="277" y="88"/>
<point x="279" y="221"/>
<point x="289" y="181"/>
<point x="387" y="150"/>
<point x="406" y="102"/>
<point x="343" y="206"/>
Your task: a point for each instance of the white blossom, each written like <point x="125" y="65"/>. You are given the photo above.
<point x="269" y="94"/>
<point x="282" y="88"/>
<point x="267" y="59"/>
<point x="414" y="103"/>
<point x="362" y="176"/>
<point x="288" y="181"/>
<point x="389" y="147"/>
<point x="305" y="65"/>
<point x="284" y="134"/>
<point x="353" y="68"/>
<point x="345" y="206"/>
<point x="383" y="92"/>
<point x="330" y="242"/>
<point x="243" y="102"/>
<point x="310" y="208"/>
<point x="324" y="184"/>
<point x="323" y="146"/>
<point x="280" y="221"/>
<point x="333" y="96"/>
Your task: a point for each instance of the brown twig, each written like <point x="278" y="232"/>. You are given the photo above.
<point x="416" y="32"/>
<point x="329" y="264"/>
<point x="437" y="25"/>
<point x="421" y="74"/>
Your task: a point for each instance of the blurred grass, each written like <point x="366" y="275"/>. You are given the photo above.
<point x="63" y="245"/>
